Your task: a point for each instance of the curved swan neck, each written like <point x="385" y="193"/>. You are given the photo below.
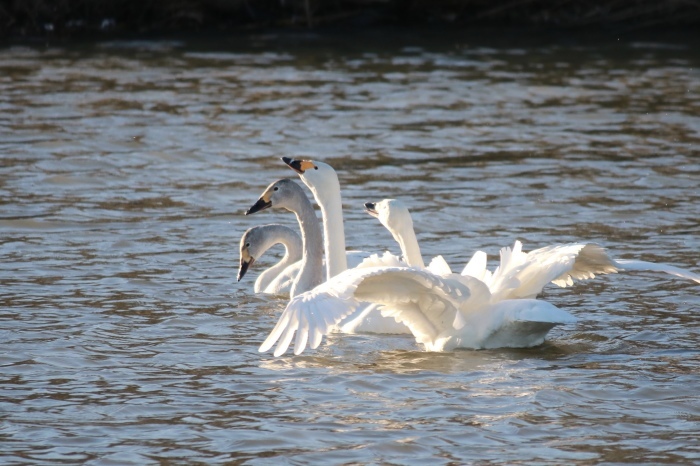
<point x="293" y="248"/>
<point x="311" y="272"/>
<point x="406" y="237"/>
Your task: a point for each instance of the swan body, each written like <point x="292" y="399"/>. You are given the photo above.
<point x="524" y="275"/>
<point x="443" y="311"/>
<point x="255" y="241"/>
<point x="288" y="195"/>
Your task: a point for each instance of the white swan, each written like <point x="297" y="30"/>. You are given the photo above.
<point x="559" y="264"/>
<point x="277" y="279"/>
<point x="255" y="241"/>
<point x="442" y="311"/>
<point x="323" y="182"/>
<point x="288" y="195"/>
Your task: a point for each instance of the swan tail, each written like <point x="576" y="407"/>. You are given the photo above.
<point x="637" y="265"/>
<point x="524" y="323"/>
<point x="536" y="310"/>
<point x="520" y="323"/>
<point x="519" y="334"/>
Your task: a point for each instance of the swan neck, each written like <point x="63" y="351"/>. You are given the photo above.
<point x="293" y="251"/>
<point x="409" y="247"/>
<point x="311" y="271"/>
<point x="333" y="230"/>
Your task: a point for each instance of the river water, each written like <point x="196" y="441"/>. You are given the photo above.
<point x="126" y="169"/>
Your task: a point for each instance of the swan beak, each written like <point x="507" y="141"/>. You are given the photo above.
<point x="371" y="208"/>
<point x="244" y="267"/>
<point x="299" y="166"/>
<point x="262" y="204"/>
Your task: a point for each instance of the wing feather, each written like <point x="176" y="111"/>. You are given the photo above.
<point x="629" y="264"/>
<point x="559" y="264"/>
<point x="476" y="267"/>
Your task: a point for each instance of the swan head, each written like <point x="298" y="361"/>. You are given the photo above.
<point x="318" y="176"/>
<point x="247" y="259"/>
<point x="392" y="213"/>
<point x="282" y="193"/>
<point x="252" y="246"/>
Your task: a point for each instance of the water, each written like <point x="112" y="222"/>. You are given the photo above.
<point x="126" y="166"/>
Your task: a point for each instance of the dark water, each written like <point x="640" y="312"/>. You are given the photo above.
<point x="126" y="166"/>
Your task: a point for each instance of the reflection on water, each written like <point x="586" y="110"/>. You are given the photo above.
<point x="126" y="166"/>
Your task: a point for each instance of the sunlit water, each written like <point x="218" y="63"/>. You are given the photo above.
<point x="126" y="166"/>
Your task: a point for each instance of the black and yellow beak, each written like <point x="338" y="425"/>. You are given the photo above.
<point x="244" y="267"/>
<point x="262" y="204"/>
<point x="371" y="208"/>
<point x="299" y="166"/>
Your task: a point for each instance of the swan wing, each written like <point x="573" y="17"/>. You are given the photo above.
<point x="384" y="260"/>
<point x="439" y="266"/>
<point x="368" y="318"/>
<point x="311" y="315"/>
<point x="427" y="304"/>
<point x="628" y="264"/>
<point x="563" y="265"/>
<point x="559" y="264"/>
<point x="505" y="278"/>
<point x="476" y="267"/>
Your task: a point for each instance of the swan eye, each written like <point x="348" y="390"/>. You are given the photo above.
<point x="315" y="168"/>
<point x="247" y="245"/>
<point x="276" y="188"/>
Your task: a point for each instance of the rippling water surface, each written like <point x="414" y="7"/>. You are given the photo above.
<point x="126" y="166"/>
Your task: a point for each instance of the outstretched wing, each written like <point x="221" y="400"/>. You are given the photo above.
<point x="524" y="275"/>
<point x="311" y="315"/>
<point x="426" y="303"/>
<point x="630" y="264"/>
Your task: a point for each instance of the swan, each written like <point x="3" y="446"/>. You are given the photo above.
<point x="323" y="182"/>
<point x="277" y="279"/>
<point x="288" y="195"/>
<point x="443" y="310"/>
<point x="255" y="241"/>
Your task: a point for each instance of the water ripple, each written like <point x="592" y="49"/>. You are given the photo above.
<point x="126" y="168"/>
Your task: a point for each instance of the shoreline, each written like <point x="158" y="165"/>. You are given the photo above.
<point x="40" y="21"/>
